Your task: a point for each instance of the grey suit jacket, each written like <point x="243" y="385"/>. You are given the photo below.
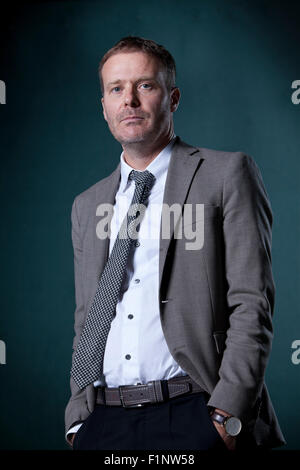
<point x="216" y="303"/>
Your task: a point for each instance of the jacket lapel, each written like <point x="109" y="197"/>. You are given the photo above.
<point x="184" y="161"/>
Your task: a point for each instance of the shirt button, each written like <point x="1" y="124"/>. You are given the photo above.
<point x="137" y="243"/>
<point x="130" y="316"/>
<point x="137" y="281"/>
<point x="128" y="357"/>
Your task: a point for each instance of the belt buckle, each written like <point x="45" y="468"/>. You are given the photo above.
<point x="123" y="402"/>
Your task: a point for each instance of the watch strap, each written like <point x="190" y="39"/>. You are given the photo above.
<point x="221" y="419"/>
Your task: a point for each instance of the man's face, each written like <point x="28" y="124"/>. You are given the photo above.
<point x="136" y="103"/>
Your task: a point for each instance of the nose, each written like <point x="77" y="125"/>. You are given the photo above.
<point x="131" y="97"/>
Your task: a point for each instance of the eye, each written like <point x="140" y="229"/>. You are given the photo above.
<point x="146" y="85"/>
<point x="116" y="89"/>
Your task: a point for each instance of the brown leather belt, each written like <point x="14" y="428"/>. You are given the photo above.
<point x="154" y="391"/>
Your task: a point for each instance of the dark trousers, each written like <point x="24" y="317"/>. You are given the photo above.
<point x="180" y="423"/>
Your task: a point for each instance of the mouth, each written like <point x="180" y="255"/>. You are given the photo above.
<point x="132" y="118"/>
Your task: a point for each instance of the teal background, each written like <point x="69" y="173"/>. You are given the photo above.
<point x="236" y="61"/>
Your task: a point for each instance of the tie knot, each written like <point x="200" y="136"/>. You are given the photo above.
<point x="142" y="177"/>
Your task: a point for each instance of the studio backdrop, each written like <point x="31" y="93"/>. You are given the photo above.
<point x="238" y="70"/>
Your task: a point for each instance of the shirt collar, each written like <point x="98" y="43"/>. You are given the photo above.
<point x="157" y="167"/>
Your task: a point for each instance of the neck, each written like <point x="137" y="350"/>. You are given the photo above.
<point x="139" y="155"/>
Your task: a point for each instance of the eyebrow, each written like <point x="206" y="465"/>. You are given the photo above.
<point x="139" y="80"/>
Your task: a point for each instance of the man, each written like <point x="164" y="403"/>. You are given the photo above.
<point x="172" y="339"/>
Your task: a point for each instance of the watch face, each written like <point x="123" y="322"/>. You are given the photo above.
<point x="233" y="426"/>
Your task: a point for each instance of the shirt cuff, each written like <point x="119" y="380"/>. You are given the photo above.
<point x="73" y="429"/>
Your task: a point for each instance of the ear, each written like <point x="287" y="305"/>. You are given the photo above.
<point x="103" y="108"/>
<point x="175" y="97"/>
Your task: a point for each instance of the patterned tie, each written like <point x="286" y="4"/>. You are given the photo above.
<point x="88" y="358"/>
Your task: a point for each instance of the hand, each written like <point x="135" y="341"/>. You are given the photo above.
<point x="71" y="438"/>
<point x="230" y="441"/>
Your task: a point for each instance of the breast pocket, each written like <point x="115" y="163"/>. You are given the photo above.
<point x="198" y="221"/>
<point x="197" y="213"/>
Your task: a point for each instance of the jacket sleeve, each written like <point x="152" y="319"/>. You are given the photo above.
<point x="76" y="409"/>
<point x="247" y="223"/>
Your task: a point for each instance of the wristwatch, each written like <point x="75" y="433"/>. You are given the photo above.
<point x="231" y="424"/>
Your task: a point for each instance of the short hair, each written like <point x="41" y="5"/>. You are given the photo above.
<point x="135" y="43"/>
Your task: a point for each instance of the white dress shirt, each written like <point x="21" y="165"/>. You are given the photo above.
<point x="136" y="328"/>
